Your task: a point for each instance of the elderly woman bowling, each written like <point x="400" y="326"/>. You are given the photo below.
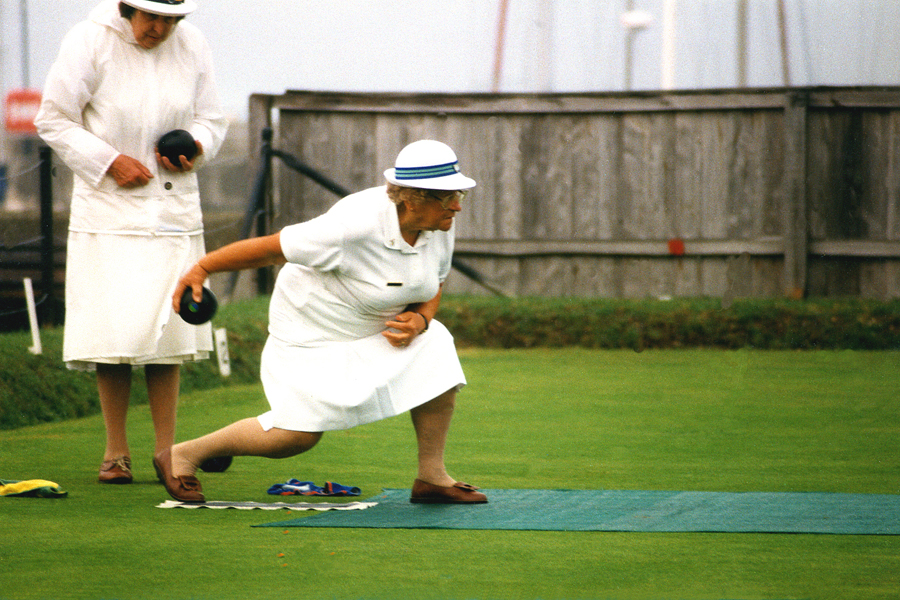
<point x="352" y="331"/>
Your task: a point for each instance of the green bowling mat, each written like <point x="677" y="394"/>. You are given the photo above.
<point x="647" y="511"/>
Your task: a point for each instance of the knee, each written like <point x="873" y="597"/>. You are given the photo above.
<point x="293" y="443"/>
<point x="446" y="402"/>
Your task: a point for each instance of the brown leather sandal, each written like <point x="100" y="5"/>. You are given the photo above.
<point x="186" y="488"/>
<point x="117" y="470"/>
<point x="459" y="493"/>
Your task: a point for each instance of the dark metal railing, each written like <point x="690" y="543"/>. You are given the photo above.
<point x="36" y="255"/>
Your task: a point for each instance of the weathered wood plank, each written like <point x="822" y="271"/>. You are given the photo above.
<point x="857" y="248"/>
<point x="688" y="168"/>
<point x="595" y="102"/>
<point x="892" y="177"/>
<point x="795" y="207"/>
<point x="410" y="103"/>
<point x="873" y="168"/>
<point x="693" y="248"/>
<point x="575" y="247"/>
<point x="717" y="142"/>
<point x="772" y="172"/>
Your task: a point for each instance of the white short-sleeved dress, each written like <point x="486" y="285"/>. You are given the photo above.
<point x="106" y="95"/>
<point x="326" y="365"/>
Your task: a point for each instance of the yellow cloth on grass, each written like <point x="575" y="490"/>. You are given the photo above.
<point x="33" y="488"/>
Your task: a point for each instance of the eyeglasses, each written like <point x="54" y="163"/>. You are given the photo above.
<point x="446" y="201"/>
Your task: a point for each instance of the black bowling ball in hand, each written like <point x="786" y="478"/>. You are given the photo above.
<point x="176" y="143"/>
<point x="197" y="313"/>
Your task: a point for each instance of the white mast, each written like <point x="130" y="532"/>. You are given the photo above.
<point x="742" y="43"/>
<point x="667" y="66"/>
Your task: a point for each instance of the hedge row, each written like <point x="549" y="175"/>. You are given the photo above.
<point x="591" y="323"/>
<point x="38" y="388"/>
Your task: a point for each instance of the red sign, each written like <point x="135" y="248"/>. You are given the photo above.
<point x="21" y="108"/>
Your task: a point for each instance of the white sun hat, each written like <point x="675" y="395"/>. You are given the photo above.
<point x="428" y="165"/>
<point x="168" y="8"/>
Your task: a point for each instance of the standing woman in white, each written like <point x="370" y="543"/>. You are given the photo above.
<point x="124" y="77"/>
<point x="352" y="335"/>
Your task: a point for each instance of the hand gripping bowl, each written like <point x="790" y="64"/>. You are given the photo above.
<point x="197" y="313"/>
<point x="177" y="142"/>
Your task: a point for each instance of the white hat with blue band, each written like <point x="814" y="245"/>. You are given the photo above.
<point x="429" y="165"/>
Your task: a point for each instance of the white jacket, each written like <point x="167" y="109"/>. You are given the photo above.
<point x="106" y="95"/>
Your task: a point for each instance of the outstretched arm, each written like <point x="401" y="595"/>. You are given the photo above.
<point x="245" y="254"/>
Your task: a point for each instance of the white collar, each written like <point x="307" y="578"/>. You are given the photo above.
<point x="390" y="229"/>
<point x="107" y="14"/>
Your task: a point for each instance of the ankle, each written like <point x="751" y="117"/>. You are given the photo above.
<point x="439" y="478"/>
<point x="181" y="465"/>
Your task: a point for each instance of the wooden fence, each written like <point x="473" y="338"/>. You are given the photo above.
<point x="727" y="193"/>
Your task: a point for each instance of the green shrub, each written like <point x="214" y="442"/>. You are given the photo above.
<point x="39" y="388"/>
<point x="35" y="389"/>
<point x="639" y="324"/>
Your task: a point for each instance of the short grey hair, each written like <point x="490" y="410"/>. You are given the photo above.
<point x="398" y="194"/>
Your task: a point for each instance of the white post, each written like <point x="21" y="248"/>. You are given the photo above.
<point x="32" y="318"/>
<point x="785" y="48"/>
<point x="668" y="45"/>
<point x="26" y="50"/>
<point x="544" y="47"/>
<point x="633" y="21"/>
<point x="742" y="43"/>
<point x="498" y="48"/>
<point x="221" y="339"/>
<point x="3" y="89"/>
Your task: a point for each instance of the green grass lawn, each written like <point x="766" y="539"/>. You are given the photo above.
<point x="565" y="418"/>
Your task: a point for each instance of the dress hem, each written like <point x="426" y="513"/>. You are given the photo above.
<point x="90" y="364"/>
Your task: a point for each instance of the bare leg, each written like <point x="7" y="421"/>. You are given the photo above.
<point x="114" y="389"/>
<point x="432" y="423"/>
<point x="162" y="390"/>
<point x="243" y="438"/>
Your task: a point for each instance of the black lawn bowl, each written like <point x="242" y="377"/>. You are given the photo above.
<point x="197" y="313"/>
<point x="177" y="142"/>
<point x="216" y="465"/>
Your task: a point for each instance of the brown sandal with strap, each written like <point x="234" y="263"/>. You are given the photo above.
<point x="186" y="488"/>
<point x="459" y="493"/>
<point x="117" y="470"/>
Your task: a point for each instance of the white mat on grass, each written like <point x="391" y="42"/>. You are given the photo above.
<point x="270" y="505"/>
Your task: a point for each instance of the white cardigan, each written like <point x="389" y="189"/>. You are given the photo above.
<point x="106" y="95"/>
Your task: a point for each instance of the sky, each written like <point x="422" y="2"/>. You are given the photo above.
<point x="271" y="46"/>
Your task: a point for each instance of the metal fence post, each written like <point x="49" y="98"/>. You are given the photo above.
<point x="264" y="277"/>
<point x="47" y="242"/>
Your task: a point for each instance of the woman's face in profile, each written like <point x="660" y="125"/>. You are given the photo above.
<point x="151" y="30"/>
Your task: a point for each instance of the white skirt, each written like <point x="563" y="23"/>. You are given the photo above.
<point x="345" y="384"/>
<point x="119" y="300"/>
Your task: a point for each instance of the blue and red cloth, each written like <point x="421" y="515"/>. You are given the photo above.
<point x="294" y="487"/>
